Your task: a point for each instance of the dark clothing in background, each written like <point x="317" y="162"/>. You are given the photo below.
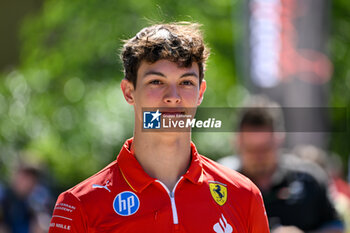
<point x="16" y="212"/>
<point x="298" y="195"/>
<point x="2" y="193"/>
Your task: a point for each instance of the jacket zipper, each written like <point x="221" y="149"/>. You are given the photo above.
<point x="172" y="200"/>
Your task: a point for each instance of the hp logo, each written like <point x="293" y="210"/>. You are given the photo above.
<point x="126" y="203"/>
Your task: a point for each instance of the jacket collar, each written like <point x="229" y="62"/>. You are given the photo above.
<point x="138" y="179"/>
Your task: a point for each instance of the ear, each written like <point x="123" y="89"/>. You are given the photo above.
<point x="202" y="89"/>
<point x="128" y="91"/>
<point x="237" y="141"/>
<point x="279" y="138"/>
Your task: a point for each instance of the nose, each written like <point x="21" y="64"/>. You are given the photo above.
<point x="172" y="96"/>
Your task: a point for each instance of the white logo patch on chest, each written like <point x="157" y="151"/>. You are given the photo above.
<point x="222" y="226"/>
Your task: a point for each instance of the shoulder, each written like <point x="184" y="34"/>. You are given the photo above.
<point x="232" y="178"/>
<point x="88" y="192"/>
<point x="243" y="195"/>
<point x="80" y="203"/>
<point x="230" y="161"/>
<point x="301" y="169"/>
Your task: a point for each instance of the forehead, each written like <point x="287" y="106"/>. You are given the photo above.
<point x="167" y="68"/>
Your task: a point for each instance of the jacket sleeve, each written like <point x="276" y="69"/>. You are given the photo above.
<point x="257" y="216"/>
<point x="68" y="215"/>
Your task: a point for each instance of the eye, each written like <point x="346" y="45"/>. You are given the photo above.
<point x="155" y="82"/>
<point x="187" y="83"/>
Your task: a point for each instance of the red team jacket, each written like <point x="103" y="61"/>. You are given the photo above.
<point x="123" y="198"/>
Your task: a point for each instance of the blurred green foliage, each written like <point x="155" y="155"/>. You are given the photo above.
<point x="63" y="106"/>
<point x="340" y="84"/>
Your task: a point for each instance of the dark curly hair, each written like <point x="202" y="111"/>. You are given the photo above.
<point x="180" y="42"/>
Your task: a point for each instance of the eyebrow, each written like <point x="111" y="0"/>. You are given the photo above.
<point x="189" y="74"/>
<point x="151" y="72"/>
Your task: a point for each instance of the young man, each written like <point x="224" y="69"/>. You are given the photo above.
<point x="294" y="192"/>
<point x="159" y="182"/>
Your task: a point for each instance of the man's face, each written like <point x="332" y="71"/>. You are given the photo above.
<point x="24" y="183"/>
<point x="165" y="85"/>
<point x="258" y="151"/>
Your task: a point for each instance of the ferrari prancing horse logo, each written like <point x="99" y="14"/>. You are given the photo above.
<point x="218" y="192"/>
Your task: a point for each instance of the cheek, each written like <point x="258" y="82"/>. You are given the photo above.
<point x="190" y="96"/>
<point x="149" y="96"/>
<point x="152" y="96"/>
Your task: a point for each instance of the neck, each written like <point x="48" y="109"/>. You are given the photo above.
<point x="262" y="179"/>
<point x="263" y="182"/>
<point x="164" y="156"/>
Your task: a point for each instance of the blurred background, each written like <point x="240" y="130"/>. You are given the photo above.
<point x="61" y="109"/>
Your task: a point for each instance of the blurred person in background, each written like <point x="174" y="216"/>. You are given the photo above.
<point x="294" y="192"/>
<point x="2" y="192"/>
<point x="332" y="165"/>
<point x="26" y="203"/>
